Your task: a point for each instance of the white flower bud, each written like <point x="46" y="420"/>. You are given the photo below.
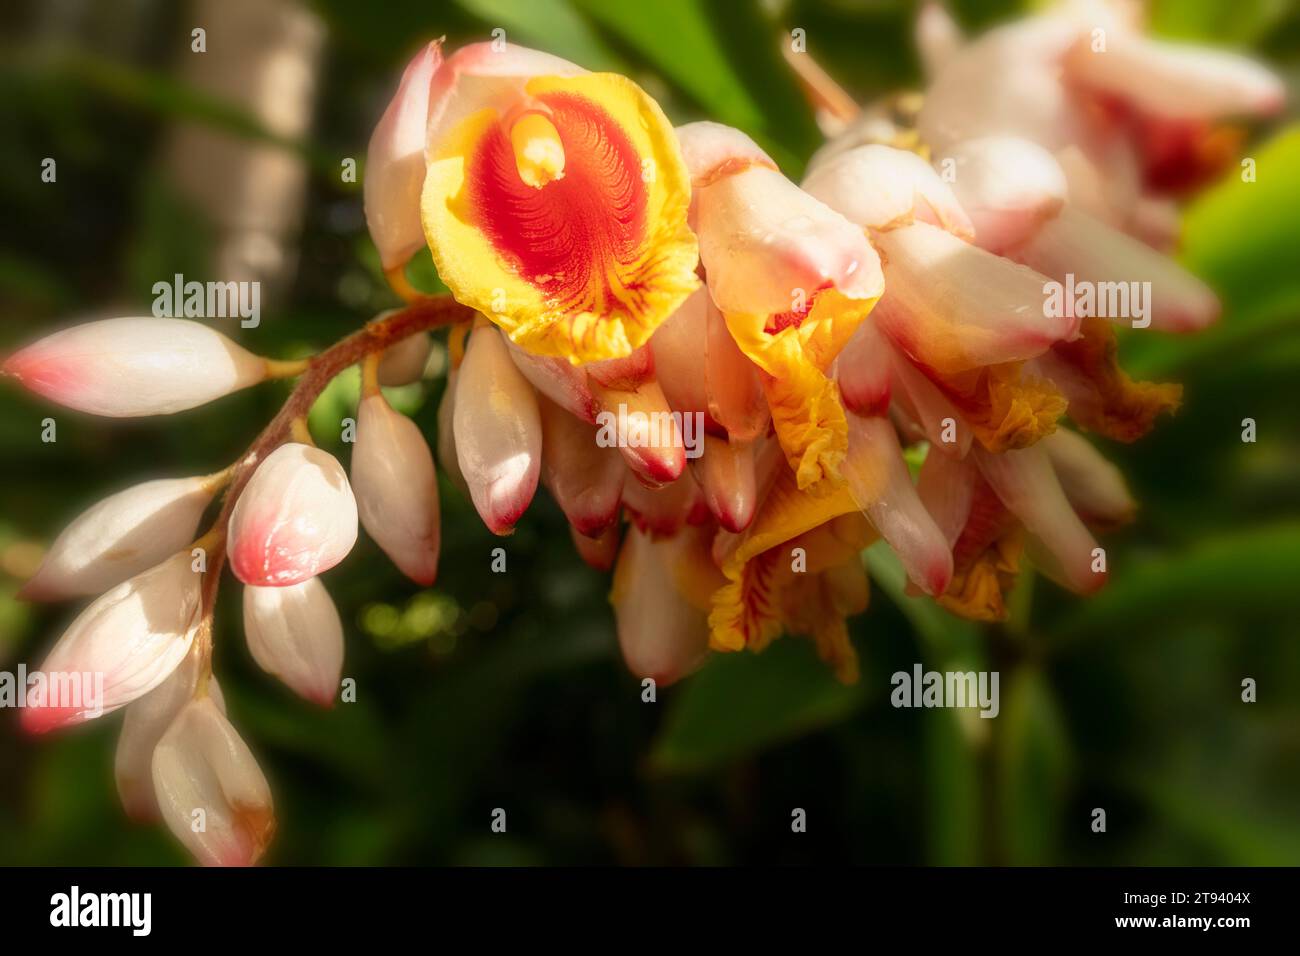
<point x="212" y="794"/>
<point x="395" y="163"/>
<point x="130" y="639"/>
<point x="396" y="488"/>
<point x="498" y="431"/>
<point x="295" y="633"/>
<point x="124" y="368"/>
<point x="121" y="536"/>
<point x="295" y="518"/>
<point x="143" y="725"/>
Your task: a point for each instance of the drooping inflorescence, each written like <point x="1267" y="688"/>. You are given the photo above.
<point x="714" y="371"/>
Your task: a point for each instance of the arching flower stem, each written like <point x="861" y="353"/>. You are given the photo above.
<point x="420" y="315"/>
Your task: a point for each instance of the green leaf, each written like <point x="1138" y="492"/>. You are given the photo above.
<point x="741" y="703"/>
<point x="1238" y="829"/>
<point x="952" y="789"/>
<point x="1238" y="23"/>
<point x="726" y="61"/>
<point x="1033" y="767"/>
<point x="1245" y="570"/>
<point x="950" y="761"/>
<point x="551" y="25"/>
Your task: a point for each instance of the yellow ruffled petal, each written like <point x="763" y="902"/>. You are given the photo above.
<point x="816" y="605"/>
<point x="1004" y="407"/>
<point x="794" y="351"/>
<point x="562" y="217"/>
<point x="978" y="590"/>
<point x="751" y="610"/>
<point x="986" y="558"/>
<point x="1103" y="398"/>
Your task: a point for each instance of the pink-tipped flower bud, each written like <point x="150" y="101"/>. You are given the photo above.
<point x="878" y="479"/>
<point x="598" y="552"/>
<point x="125" y="368"/>
<point x="121" y="536"/>
<point x="295" y="518"/>
<point x="118" y="649"/>
<point x="498" y="431"/>
<point x="585" y="478"/>
<point x="1008" y="186"/>
<point x="295" y="633"/>
<point x="558" y="379"/>
<point x="212" y="793"/>
<point x="727" y="477"/>
<point x="396" y="488"/>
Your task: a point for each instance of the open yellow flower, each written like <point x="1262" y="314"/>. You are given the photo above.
<point x="554" y="202"/>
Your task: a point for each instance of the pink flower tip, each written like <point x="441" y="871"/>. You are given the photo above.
<point x="731" y="522"/>
<point x="253" y="565"/>
<point x="323" y="697"/>
<point x="506" y="505"/>
<point x="937" y="578"/>
<point x="35" y="372"/>
<point x="661" y="466"/>
<point x="593" y="526"/>
<point x="40" y="719"/>
<point x="1095" y="583"/>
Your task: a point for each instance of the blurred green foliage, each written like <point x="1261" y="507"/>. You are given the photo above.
<point x="507" y="690"/>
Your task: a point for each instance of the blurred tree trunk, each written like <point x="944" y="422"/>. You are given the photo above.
<point x="262" y="56"/>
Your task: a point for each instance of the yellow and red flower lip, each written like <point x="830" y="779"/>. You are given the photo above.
<point x="421" y="107"/>
<point x="555" y="202"/>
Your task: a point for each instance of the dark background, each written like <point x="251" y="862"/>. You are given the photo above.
<point x="507" y="690"/>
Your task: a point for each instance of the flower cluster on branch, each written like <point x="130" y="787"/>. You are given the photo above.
<point x="714" y="370"/>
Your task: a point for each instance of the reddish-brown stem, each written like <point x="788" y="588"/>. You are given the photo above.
<point x="419" y="316"/>
<point x="819" y="87"/>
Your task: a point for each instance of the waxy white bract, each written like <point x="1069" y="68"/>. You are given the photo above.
<point x="881" y="486"/>
<point x="135" y="635"/>
<point x="498" y="431"/>
<point x="295" y="518"/>
<point x="404" y="361"/>
<point x="395" y="163"/>
<point x="396" y="488"/>
<point x="124" y="368"/>
<point x="143" y="724"/>
<point x="202" y="766"/>
<point x="761" y="236"/>
<point x="585" y="478"/>
<point x="662" y="635"/>
<point x="121" y="536"/>
<point x="295" y="633"/>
